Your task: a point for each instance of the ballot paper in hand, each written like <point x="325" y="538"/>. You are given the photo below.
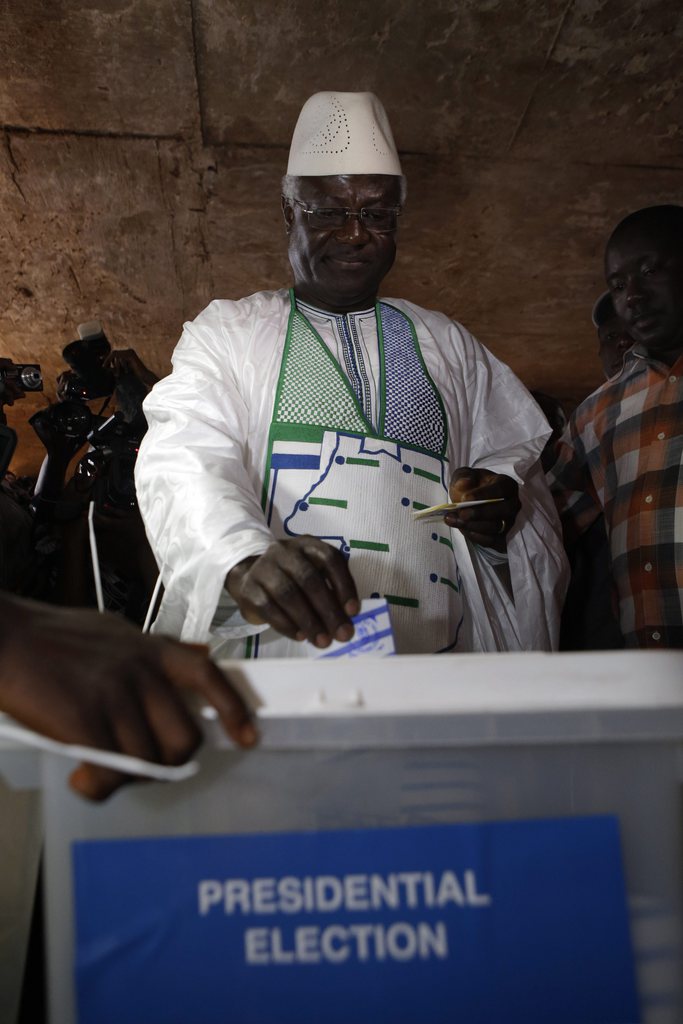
<point x="372" y="635"/>
<point x="435" y="512"/>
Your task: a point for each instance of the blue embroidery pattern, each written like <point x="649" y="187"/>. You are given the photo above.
<point x="413" y="412"/>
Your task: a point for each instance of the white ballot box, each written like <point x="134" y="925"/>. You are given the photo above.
<point x="476" y="838"/>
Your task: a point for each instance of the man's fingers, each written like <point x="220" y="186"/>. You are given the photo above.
<point x="462" y="484"/>
<point x="129" y="723"/>
<point x="463" y="490"/>
<point x="175" y="730"/>
<point x="156" y="726"/>
<point x="488" y="524"/>
<point x="96" y="783"/>
<point x="488" y="527"/>
<point x="302" y="587"/>
<point x="480" y="483"/>
<point x="318" y="604"/>
<point x="336" y="570"/>
<point x="481" y="491"/>
<point x="272" y="601"/>
<point x="253" y="617"/>
<point x="187" y="669"/>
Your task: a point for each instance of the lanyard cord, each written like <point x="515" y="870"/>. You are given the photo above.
<point x="152" y="605"/>
<point x="97" y="575"/>
<point x="95" y="557"/>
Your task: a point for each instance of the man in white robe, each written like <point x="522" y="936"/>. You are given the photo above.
<point x="300" y="430"/>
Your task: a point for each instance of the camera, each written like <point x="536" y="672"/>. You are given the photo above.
<point x="108" y="468"/>
<point x="25" y="376"/>
<point x="70" y="420"/>
<point x="72" y="388"/>
<point x="86" y="358"/>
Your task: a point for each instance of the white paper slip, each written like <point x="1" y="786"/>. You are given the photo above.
<point x="429" y="515"/>
<point x="372" y="635"/>
<point x="10" y="730"/>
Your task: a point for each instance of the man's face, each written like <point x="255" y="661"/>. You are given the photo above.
<point x="340" y="269"/>
<point x="645" y="277"/>
<point x="613" y="343"/>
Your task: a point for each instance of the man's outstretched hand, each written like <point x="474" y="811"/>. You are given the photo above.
<point x="488" y="525"/>
<point x="301" y="587"/>
<point x="84" y="678"/>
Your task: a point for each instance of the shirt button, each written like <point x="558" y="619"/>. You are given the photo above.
<point x="648" y="567"/>
<point x="649" y="499"/>
<point x="673" y="378"/>
<point x="660" y="437"/>
<point x="656" y="636"/>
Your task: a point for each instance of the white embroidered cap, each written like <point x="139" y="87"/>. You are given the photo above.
<point x="343" y="133"/>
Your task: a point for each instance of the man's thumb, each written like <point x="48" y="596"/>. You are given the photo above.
<point x="462" y="482"/>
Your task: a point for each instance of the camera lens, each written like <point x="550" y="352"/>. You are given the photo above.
<point x="30" y="378"/>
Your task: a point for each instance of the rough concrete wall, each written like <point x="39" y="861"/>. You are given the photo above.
<point x="144" y="140"/>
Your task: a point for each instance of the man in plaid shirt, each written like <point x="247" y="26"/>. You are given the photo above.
<point x="621" y="455"/>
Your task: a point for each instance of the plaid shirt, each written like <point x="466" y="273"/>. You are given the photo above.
<point x="622" y="455"/>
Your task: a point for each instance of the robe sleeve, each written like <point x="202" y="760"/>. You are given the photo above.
<point x="200" y="508"/>
<point x="506" y="432"/>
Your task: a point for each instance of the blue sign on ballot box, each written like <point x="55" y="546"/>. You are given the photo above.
<point x="515" y="922"/>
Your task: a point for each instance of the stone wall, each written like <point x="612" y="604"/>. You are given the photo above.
<point x="143" y="142"/>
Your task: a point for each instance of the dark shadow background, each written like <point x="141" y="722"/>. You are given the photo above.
<point x="143" y="142"/>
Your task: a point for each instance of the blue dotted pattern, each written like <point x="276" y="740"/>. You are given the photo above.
<point x="413" y="412"/>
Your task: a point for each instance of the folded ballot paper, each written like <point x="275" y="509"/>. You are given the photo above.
<point x="434" y="512"/>
<point x="373" y="635"/>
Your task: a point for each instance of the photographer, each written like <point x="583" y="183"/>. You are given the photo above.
<point x="18" y="563"/>
<point x="65" y="426"/>
<point x="105" y="476"/>
<point x="118" y="558"/>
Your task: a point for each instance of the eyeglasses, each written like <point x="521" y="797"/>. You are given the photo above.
<point x="380" y="220"/>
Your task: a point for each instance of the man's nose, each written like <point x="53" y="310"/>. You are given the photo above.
<point x="353" y="231"/>
<point x="634" y="290"/>
<point x="623" y="344"/>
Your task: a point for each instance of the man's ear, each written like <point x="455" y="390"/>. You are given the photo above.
<point x="287" y="212"/>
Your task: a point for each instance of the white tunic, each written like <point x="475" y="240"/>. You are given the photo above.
<point x="201" y="467"/>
